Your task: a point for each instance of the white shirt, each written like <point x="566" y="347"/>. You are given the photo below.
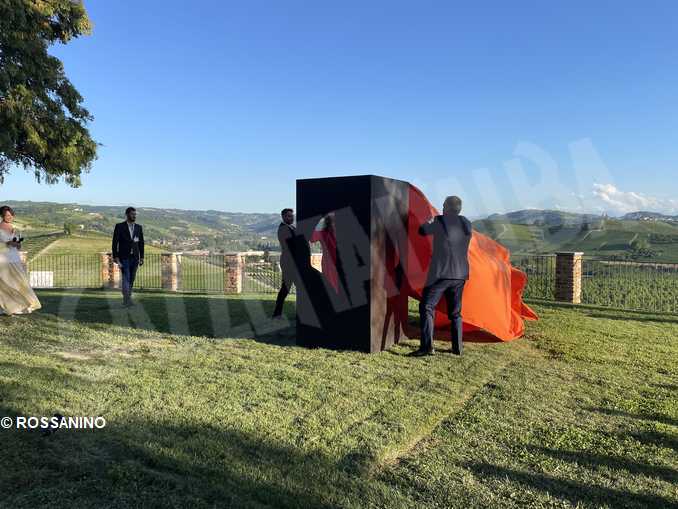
<point x="131" y="230"/>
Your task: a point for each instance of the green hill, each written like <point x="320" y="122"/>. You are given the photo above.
<point x="543" y="217"/>
<point x="636" y="236"/>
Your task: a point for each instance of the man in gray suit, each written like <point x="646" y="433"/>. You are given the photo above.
<point x="447" y="274"/>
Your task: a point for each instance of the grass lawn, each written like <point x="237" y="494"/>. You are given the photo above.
<point x="208" y="404"/>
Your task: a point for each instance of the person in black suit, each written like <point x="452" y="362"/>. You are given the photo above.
<point x="447" y="274"/>
<point x="290" y="243"/>
<point x="128" y="251"/>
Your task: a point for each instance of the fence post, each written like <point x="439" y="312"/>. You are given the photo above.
<point x="116" y="275"/>
<point x="105" y="269"/>
<point x="170" y="271"/>
<point x="317" y="261"/>
<point x="24" y="260"/>
<point x="233" y="273"/>
<point x="568" y="277"/>
<point x="110" y="272"/>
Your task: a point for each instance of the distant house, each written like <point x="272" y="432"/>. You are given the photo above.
<point x="197" y="252"/>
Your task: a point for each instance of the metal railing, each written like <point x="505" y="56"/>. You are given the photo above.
<point x="262" y="277"/>
<point x="541" y="275"/>
<point x="196" y="273"/>
<point x="202" y="273"/>
<point x="642" y="286"/>
<point x="65" y="271"/>
<point x="149" y="276"/>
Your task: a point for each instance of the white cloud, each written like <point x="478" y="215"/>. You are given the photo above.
<point x="614" y="200"/>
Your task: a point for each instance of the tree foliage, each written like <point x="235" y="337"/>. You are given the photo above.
<point x="43" y="124"/>
<point x="640" y="244"/>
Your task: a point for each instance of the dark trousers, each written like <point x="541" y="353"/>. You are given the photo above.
<point x="453" y="290"/>
<point x="128" y="269"/>
<point x="287" y="282"/>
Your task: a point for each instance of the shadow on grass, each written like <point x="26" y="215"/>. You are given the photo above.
<point x="646" y="417"/>
<point x="158" y="460"/>
<point x="658" y="439"/>
<point x="668" y="387"/>
<point x="443" y="342"/>
<point x="210" y="316"/>
<point x="412" y="330"/>
<point x="595" y="311"/>
<point x="595" y="461"/>
<point x="159" y="464"/>
<point x="574" y="492"/>
<point x="634" y="317"/>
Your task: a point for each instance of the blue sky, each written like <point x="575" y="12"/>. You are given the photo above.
<point x="512" y="105"/>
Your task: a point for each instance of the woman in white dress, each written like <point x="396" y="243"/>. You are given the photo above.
<point x="16" y="295"/>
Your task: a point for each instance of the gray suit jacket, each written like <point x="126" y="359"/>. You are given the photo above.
<point x="451" y="238"/>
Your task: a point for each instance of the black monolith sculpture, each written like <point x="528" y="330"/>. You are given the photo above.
<point x="367" y="310"/>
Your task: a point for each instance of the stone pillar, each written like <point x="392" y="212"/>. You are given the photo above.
<point x="24" y="259"/>
<point x="316" y="261"/>
<point x="110" y="272"/>
<point x="116" y="275"/>
<point x="568" y="277"/>
<point x="105" y="269"/>
<point x="234" y="265"/>
<point x="170" y="270"/>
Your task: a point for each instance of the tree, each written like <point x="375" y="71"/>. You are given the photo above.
<point x="43" y="124"/>
<point x="640" y="244"/>
<point x="68" y="228"/>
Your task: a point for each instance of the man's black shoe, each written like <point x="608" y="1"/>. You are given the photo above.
<point x="422" y="353"/>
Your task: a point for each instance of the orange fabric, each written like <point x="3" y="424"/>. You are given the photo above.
<point x="493" y="295"/>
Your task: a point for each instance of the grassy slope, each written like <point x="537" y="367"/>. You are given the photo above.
<point x="87" y="243"/>
<point x="35" y="246"/>
<point x="580" y="412"/>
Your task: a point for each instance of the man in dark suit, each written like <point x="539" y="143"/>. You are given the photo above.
<point x="447" y="274"/>
<point x="289" y="240"/>
<point x="128" y="251"/>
